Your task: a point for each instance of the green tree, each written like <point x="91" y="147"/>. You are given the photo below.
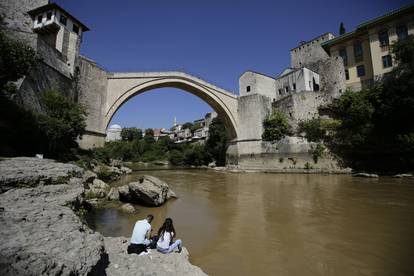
<point x="176" y="158"/>
<point x="195" y="155"/>
<point x="342" y="30"/>
<point x="217" y="141"/>
<point x="149" y="132"/>
<point x="275" y="126"/>
<point x="131" y="133"/>
<point x="187" y="125"/>
<point x="195" y="127"/>
<point x="63" y="121"/>
<point x="16" y="59"/>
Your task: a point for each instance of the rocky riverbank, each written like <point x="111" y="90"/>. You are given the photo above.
<point x="41" y="232"/>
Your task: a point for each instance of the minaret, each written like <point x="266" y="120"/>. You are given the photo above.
<point x="175" y="121"/>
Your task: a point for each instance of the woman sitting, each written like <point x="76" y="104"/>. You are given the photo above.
<point x="166" y="234"/>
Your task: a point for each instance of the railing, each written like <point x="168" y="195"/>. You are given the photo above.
<point x="181" y="70"/>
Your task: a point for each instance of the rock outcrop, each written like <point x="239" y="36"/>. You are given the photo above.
<point x="40" y="234"/>
<point x="124" y="264"/>
<point x="29" y="172"/>
<point x="149" y="191"/>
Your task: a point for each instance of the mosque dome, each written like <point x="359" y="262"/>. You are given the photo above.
<point x="115" y="127"/>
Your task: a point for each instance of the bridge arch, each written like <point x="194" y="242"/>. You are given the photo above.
<point x="123" y="86"/>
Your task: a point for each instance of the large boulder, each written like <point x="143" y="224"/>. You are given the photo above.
<point x="127" y="208"/>
<point x="40" y="233"/>
<point x="155" y="263"/>
<point x="29" y="172"/>
<point x="97" y="189"/>
<point x="113" y="194"/>
<point x="88" y="177"/>
<point x="149" y="191"/>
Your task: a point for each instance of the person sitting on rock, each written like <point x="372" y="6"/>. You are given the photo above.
<point x="166" y="235"/>
<point x="141" y="236"/>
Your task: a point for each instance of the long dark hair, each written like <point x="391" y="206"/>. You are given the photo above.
<point x="166" y="227"/>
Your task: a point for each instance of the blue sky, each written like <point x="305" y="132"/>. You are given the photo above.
<point x="216" y="40"/>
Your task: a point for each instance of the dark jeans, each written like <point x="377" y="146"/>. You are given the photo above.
<point x="136" y="248"/>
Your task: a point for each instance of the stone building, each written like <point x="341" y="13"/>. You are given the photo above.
<point x="366" y="50"/>
<point x="113" y="133"/>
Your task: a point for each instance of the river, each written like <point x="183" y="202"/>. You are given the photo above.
<point x="282" y="224"/>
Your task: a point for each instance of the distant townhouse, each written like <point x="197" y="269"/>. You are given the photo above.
<point x="366" y="50"/>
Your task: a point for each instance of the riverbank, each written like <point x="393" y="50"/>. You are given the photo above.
<point x="42" y="232"/>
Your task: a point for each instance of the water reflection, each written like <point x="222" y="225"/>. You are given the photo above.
<point x="283" y="224"/>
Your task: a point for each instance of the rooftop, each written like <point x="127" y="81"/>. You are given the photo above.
<point x="53" y="6"/>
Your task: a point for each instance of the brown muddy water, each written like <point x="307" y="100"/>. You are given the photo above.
<point x="282" y="224"/>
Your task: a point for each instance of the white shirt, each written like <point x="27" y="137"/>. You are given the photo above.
<point x="164" y="242"/>
<point x="141" y="229"/>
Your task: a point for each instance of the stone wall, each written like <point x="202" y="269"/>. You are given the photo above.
<point x="306" y="54"/>
<point x="43" y="78"/>
<point x="257" y="83"/>
<point x="253" y="109"/>
<point x="290" y="154"/>
<point x="92" y="87"/>
<point x="16" y="21"/>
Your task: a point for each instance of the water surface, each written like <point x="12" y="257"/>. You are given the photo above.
<point x="282" y="224"/>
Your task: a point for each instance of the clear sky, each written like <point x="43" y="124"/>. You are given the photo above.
<point x="216" y="40"/>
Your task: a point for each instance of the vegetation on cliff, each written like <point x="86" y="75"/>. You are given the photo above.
<point x="371" y="129"/>
<point x="275" y="126"/>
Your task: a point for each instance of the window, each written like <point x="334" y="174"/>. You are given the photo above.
<point x="287" y="89"/>
<point x="360" y="70"/>
<point x="248" y="88"/>
<point x="49" y="16"/>
<point x="346" y="74"/>
<point x="280" y="91"/>
<point x="75" y="28"/>
<point x="63" y="19"/>
<point x="39" y="19"/>
<point x="294" y="86"/>
<point x="386" y="61"/>
<point x="383" y="38"/>
<point x="402" y="32"/>
<point x="344" y="56"/>
<point x="358" y="51"/>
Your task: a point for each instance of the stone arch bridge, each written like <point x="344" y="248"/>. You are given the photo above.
<point x="104" y="93"/>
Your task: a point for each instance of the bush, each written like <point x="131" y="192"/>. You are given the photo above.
<point x="275" y="126"/>
<point x="104" y="173"/>
<point x="195" y="155"/>
<point x="316" y="152"/>
<point x="63" y="121"/>
<point x="176" y="158"/>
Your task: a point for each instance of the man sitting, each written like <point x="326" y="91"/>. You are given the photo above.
<point x="141" y="236"/>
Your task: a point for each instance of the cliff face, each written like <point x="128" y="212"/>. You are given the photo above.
<point x="41" y="234"/>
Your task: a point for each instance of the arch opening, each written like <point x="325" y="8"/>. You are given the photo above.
<point x="199" y="90"/>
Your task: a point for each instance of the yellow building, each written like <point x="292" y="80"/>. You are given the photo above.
<point x="366" y="50"/>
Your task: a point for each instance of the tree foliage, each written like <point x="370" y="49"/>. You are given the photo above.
<point x="62" y="121"/>
<point x="16" y="59"/>
<point x="188" y="125"/>
<point x="131" y="133"/>
<point x="275" y="126"/>
<point x="217" y="142"/>
<point x="342" y="29"/>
